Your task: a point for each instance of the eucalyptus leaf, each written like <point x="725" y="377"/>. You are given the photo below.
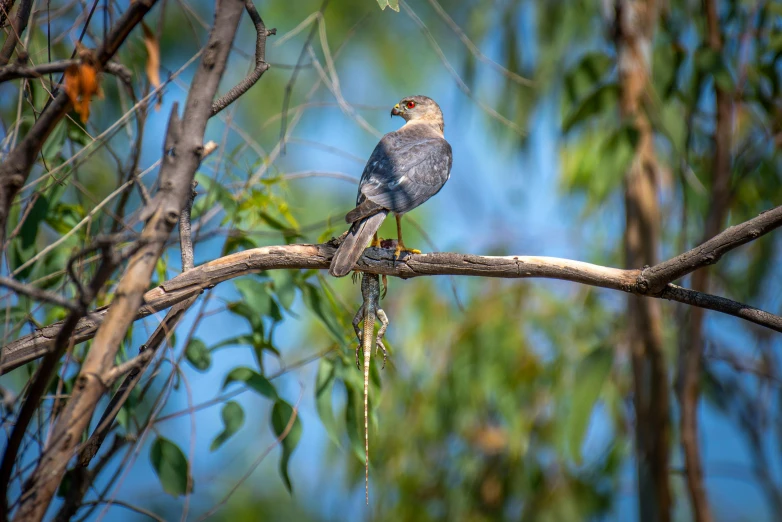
<point x="233" y="419"/>
<point x="198" y="355"/>
<point x="591" y="374"/>
<point x="253" y="380"/>
<point x="281" y="417"/>
<point x="171" y="466"/>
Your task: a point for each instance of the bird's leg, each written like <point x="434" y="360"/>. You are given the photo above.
<point x="400" y="245"/>
<point x="381" y="315"/>
<point x="375" y="241"/>
<point x="356" y="320"/>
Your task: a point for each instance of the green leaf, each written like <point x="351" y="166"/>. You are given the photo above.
<point x="590" y="377"/>
<point x="602" y="99"/>
<point x="313" y="300"/>
<point x="258" y="298"/>
<point x="198" y="355"/>
<point x="233" y="419"/>
<point x="354" y="412"/>
<point x="324" y="387"/>
<point x="171" y="467"/>
<point x="590" y="70"/>
<point x="53" y="146"/>
<point x="241" y="308"/>
<point x="393" y="4"/>
<point x="252" y="380"/>
<point x="281" y="416"/>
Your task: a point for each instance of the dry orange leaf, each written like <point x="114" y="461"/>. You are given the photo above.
<point x="153" y="58"/>
<point x="81" y="84"/>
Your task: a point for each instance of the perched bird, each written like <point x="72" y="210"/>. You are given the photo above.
<point x="407" y="167"/>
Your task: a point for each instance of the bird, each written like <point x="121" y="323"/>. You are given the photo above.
<point x="407" y="167"/>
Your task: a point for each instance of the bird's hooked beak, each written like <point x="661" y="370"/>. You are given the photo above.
<point x="397" y="110"/>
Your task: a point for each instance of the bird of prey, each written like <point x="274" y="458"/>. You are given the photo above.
<point x="407" y="167"/>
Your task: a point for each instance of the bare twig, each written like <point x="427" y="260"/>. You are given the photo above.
<point x="37" y="293"/>
<point x="15" y="71"/>
<point x="261" y="66"/>
<point x="185" y="238"/>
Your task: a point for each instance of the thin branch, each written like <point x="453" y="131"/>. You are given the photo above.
<point x="655" y="278"/>
<point x="261" y="66"/>
<point x="380" y="261"/>
<point x="37" y="293"/>
<point x="16" y="71"/>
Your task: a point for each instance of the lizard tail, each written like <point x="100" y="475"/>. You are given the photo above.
<point x="367" y="340"/>
<point x="355" y="242"/>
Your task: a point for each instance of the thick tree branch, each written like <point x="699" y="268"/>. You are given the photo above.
<point x="17" y="165"/>
<point x="261" y="66"/>
<point x="187" y="285"/>
<point x="182" y="155"/>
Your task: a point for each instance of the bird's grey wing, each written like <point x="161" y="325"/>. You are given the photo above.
<point x="405" y="172"/>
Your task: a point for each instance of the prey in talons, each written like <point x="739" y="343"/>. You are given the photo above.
<point x="370" y="309"/>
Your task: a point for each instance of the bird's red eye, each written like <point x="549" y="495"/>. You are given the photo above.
<point x="410" y="104"/>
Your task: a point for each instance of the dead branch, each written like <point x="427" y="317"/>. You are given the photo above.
<point x="261" y="66"/>
<point x="182" y="155"/>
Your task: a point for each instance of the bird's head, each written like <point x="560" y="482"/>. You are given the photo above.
<point x="419" y="108"/>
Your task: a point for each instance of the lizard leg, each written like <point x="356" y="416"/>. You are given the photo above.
<point x="356" y="320"/>
<point x="385" y="287"/>
<point x="381" y="315"/>
<point x="400" y="245"/>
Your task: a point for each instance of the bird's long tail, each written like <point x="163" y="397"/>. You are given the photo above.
<point x="354" y="244"/>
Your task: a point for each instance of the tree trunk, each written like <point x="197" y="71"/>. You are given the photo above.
<point x="635" y="22"/>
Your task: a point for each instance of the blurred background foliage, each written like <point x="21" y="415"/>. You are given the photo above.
<point x="500" y="401"/>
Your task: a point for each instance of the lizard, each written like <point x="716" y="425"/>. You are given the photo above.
<point x="369" y="311"/>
